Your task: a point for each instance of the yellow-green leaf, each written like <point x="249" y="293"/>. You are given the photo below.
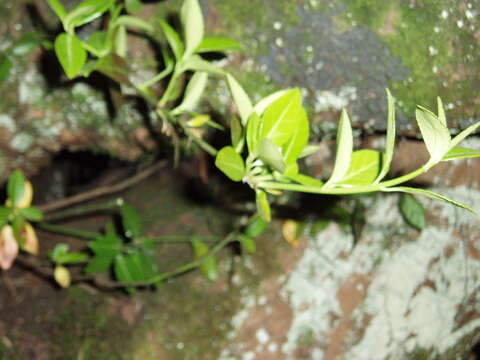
<point x="230" y="163"/>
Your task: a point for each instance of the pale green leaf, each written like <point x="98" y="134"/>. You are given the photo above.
<point x="256" y="226"/>
<point x="121" y="41"/>
<point x="271" y="155"/>
<point x="254" y="128"/>
<point x="441" y="112"/>
<point x="241" y="99"/>
<point x="192" y="21"/>
<point x="70" y="53"/>
<point x="217" y="44"/>
<point x="173" y="39"/>
<point x="16" y="187"/>
<point x="230" y="163"/>
<point x="193" y="93"/>
<point x="364" y="168"/>
<point x="390" y="138"/>
<point x="236" y="133"/>
<point x="460" y="153"/>
<point x="460" y="137"/>
<point x="135" y="22"/>
<point x="85" y="12"/>
<point x="429" y="194"/>
<point x="133" y="6"/>
<point x="267" y="101"/>
<point x="344" y="150"/>
<point x="208" y="267"/>
<point x="309" y="150"/>
<point x="58" y="8"/>
<point x="263" y="206"/>
<point x="99" y="42"/>
<point x="282" y="117"/>
<point x="293" y="148"/>
<point x="413" y="211"/>
<point x="196" y="63"/>
<point x="435" y="135"/>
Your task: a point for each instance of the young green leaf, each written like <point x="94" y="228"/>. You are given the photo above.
<point x="413" y="211"/>
<point x="133" y="6"/>
<point x="85" y="12"/>
<point x="461" y="153"/>
<point x="32" y="213"/>
<point x="282" y="117"/>
<point x="209" y="265"/>
<point x="305" y="180"/>
<point x="120" y="41"/>
<point x="434" y="133"/>
<point x="131" y="221"/>
<point x="441" y="112"/>
<point x="57" y="8"/>
<point x="106" y="246"/>
<point x="364" y="168"/>
<point x="217" y="44"/>
<point x="98" y="264"/>
<point x="99" y="42"/>
<point x="309" y="150"/>
<point x="192" y="21"/>
<point x="254" y="129"/>
<point x="173" y="40"/>
<point x="263" y="206"/>
<point x="344" y="150"/>
<point x="5" y="67"/>
<point x="428" y="193"/>
<point x="135" y="22"/>
<point x="390" y="139"/>
<point x="256" y="226"/>
<point x="292" y="149"/>
<point x="271" y="155"/>
<point x="70" y="53"/>
<point x="267" y="101"/>
<point x="236" y="132"/>
<point x="135" y="266"/>
<point x="241" y="99"/>
<point x="196" y="63"/>
<point x="16" y="187"/>
<point x="230" y="163"/>
<point x="193" y="93"/>
<point x="60" y="255"/>
<point x="248" y="244"/>
<point x="460" y="137"/>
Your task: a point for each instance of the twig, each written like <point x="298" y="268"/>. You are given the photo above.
<point x="103" y="190"/>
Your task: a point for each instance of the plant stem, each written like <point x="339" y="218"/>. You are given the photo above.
<point x="179" y="238"/>
<point x="86" y="209"/>
<point x="67" y="231"/>
<point x="171" y="84"/>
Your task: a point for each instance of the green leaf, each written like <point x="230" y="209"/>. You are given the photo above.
<point x="5" y="67"/>
<point x="254" y="128"/>
<point x="305" y="180"/>
<point x="434" y="133"/>
<point x="192" y="21"/>
<point x="460" y="137"/>
<point x="60" y="255"/>
<point x="263" y="206"/>
<point x="26" y="44"/>
<point x="282" y="117"/>
<point x="271" y="155"/>
<point x="133" y="6"/>
<point x="236" y="132"/>
<point x="70" y="53"/>
<point x="230" y="163"/>
<point x="428" y="193"/>
<point x="135" y="22"/>
<point x="441" y="112"/>
<point x="263" y="104"/>
<point x="217" y="44"/>
<point x="131" y="221"/>
<point x="196" y="63"/>
<point x="121" y="41"/>
<point x="98" y="264"/>
<point x="193" y="93"/>
<point x="309" y="150"/>
<point x="390" y="140"/>
<point x="248" y="244"/>
<point x="173" y="39"/>
<point x="99" y="42"/>
<point x="344" y="150"/>
<point x="106" y="246"/>
<point x="241" y="99"/>
<point x="32" y="213"/>
<point x="256" y="226"/>
<point x="85" y="12"/>
<point x="115" y="67"/>
<point x="413" y="211"/>
<point x="460" y="153"/>
<point x="57" y="8"/>
<point x="135" y="266"/>
<point x="209" y="265"/>
<point x="293" y="148"/>
<point x="4" y="215"/>
<point x="364" y="168"/>
<point x="16" y="187"/>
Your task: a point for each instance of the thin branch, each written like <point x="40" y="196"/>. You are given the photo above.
<point x="103" y="190"/>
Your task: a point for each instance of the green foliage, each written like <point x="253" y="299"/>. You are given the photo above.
<point x="413" y="211"/>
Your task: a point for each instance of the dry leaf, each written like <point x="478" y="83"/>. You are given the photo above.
<point x="29" y="236"/>
<point x="290" y="232"/>
<point x="8" y="247"/>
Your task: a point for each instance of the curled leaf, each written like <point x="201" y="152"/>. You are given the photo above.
<point x="8" y="247"/>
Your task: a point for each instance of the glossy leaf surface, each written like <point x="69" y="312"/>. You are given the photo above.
<point x="230" y="163"/>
